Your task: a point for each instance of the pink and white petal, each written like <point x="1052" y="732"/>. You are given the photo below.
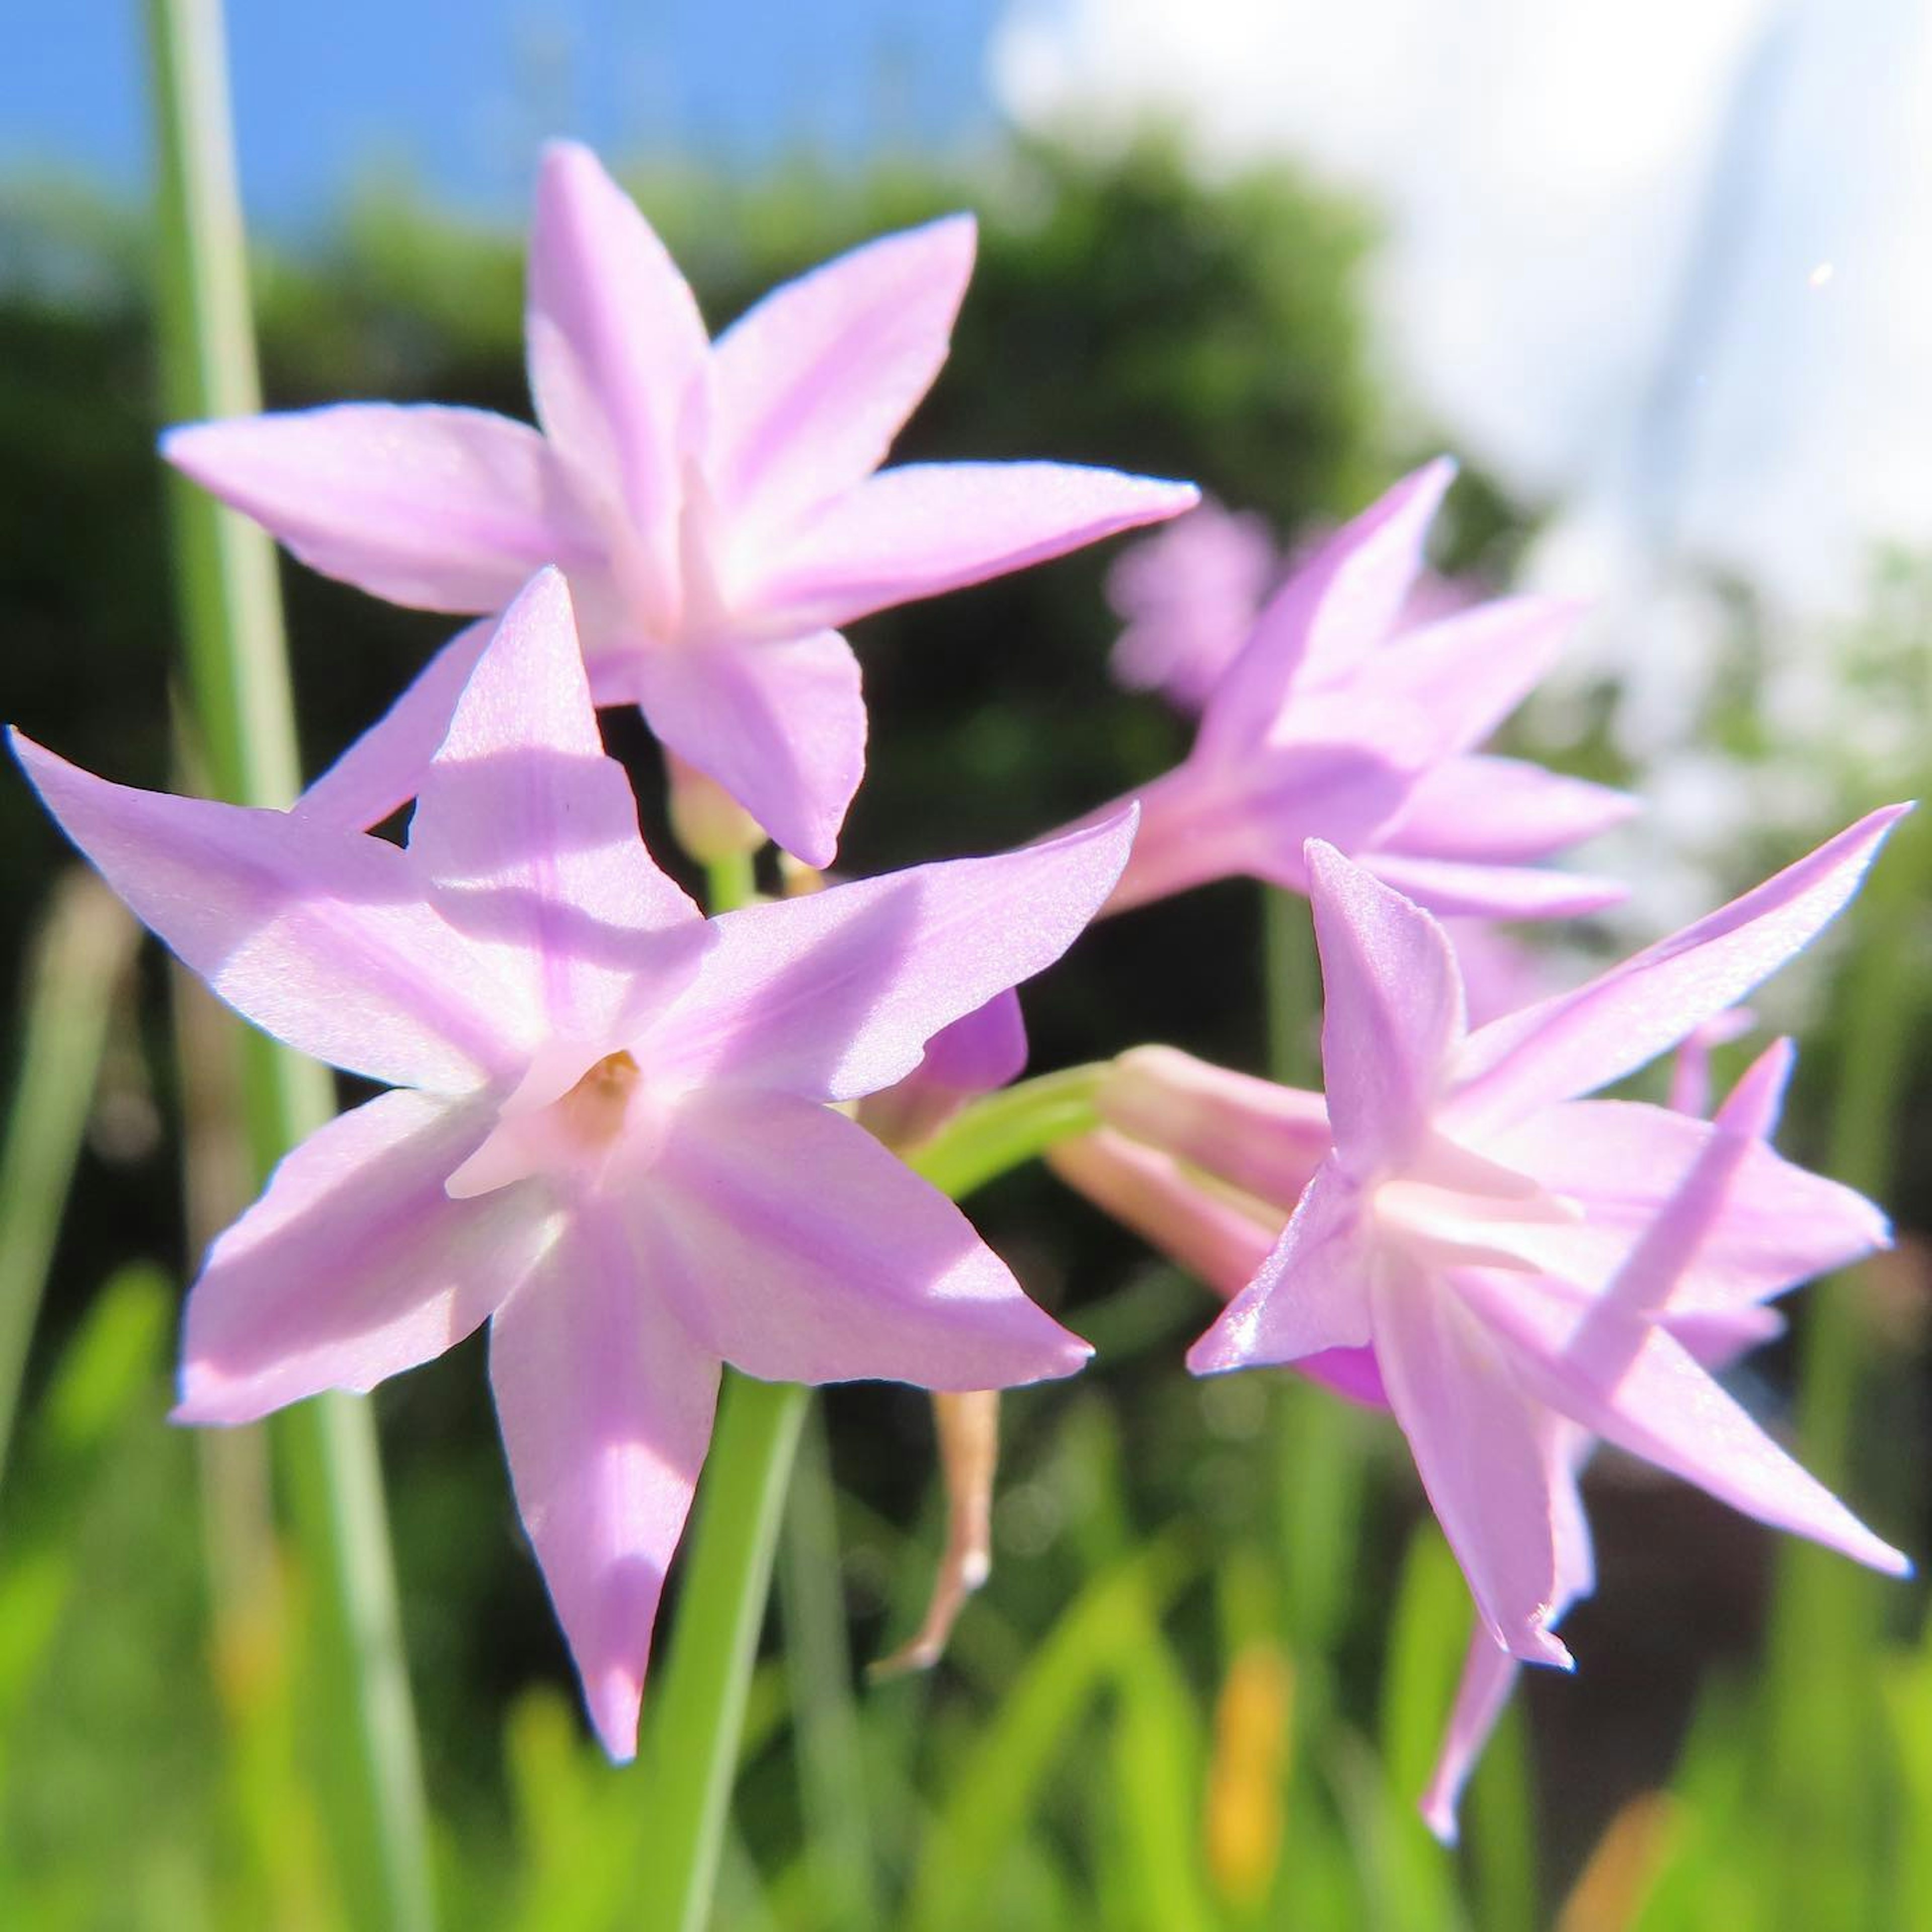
<point x="1311" y="1294"/>
<point x="1763" y="1224"/>
<point x="384" y="768"/>
<point x="320" y="936"/>
<point x="1487" y="810"/>
<point x="975" y="1054"/>
<point x="355" y="1263"/>
<point x="1330" y="614"/>
<point x="1392" y="1012"/>
<point x="617" y="349"/>
<point x="1451" y="890"/>
<point x="1263" y="1138"/>
<point x="923" y="528"/>
<point x="1660" y="1405"/>
<point x="1488" y="1675"/>
<point x="800" y="1250"/>
<point x="527" y="834"/>
<point x="1690" y="1071"/>
<point x="780" y="726"/>
<point x="442" y="509"/>
<point x="605" y="1400"/>
<point x="1439" y="691"/>
<point x="1481" y="1444"/>
<point x="1488" y="1672"/>
<point x="1146" y="1191"/>
<point x="835" y="995"/>
<point x="810" y="387"/>
<point x="1624" y="1017"/>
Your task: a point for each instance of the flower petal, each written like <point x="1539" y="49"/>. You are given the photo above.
<point x="835" y="995"/>
<point x="1441" y="690"/>
<point x="385" y="768"/>
<point x="810" y="386"/>
<point x="355" y="1264"/>
<point x="605" y="1401"/>
<point x="1764" y="1224"/>
<point x="617" y="348"/>
<point x="1330" y="614"/>
<point x="320" y="936"/>
<point x="1452" y="891"/>
<point x="1266" y="1139"/>
<point x="1581" y="1040"/>
<point x="922" y="528"/>
<point x="528" y="834"/>
<point x="1312" y="1294"/>
<point x="1391" y="1016"/>
<point x="1480" y="1442"/>
<point x="800" y="1250"/>
<point x="1490" y="810"/>
<point x="442" y="509"/>
<point x="781" y="727"/>
<point x="1658" y="1404"/>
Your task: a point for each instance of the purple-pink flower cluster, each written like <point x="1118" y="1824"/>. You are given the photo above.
<point x="641" y="1144"/>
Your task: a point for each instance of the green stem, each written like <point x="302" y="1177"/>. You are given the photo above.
<point x="1018" y="1123"/>
<point x="700" y="1708"/>
<point x="731" y="881"/>
<point x="84" y="949"/>
<point x="237" y="668"/>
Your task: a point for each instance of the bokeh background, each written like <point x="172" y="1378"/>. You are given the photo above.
<point x="1658" y="275"/>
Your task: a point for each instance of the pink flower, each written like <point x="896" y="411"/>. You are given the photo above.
<point x="607" y="1134"/>
<point x="1189" y="598"/>
<point x="713" y="504"/>
<point x="1334" y="722"/>
<point x="1516" y="1255"/>
<point x="1715" y="1336"/>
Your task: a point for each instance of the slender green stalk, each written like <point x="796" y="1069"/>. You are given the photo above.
<point x="700" y="1702"/>
<point x="1017" y="1124"/>
<point x="84" y="949"/>
<point x="237" y="669"/>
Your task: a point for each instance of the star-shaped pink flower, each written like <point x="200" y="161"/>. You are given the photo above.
<point x="1499" y="1242"/>
<point x="1337" y="720"/>
<point x="608" y="1134"/>
<point x="714" y="504"/>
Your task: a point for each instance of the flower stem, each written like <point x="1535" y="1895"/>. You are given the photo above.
<point x="699" y="1712"/>
<point x="1018" y="1123"/>
<point x="238" y="669"/>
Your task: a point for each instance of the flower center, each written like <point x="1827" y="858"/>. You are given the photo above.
<point x="570" y="1137"/>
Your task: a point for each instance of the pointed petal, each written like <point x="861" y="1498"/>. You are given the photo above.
<point x="1487" y="809"/>
<point x="1441" y="691"/>
<point x="605" y="1401"/>
<point x="528" y="834"/>
<point x="355" y="1264"/>
<point x="1488" y="1672"/>
<point x="812" y="385"/>
<point x="1330" y="614"/>
<point x="385" y="768"/>
<point x="617" y="349"/>
<point x="1148" y="1192"/>
<point x="1581" y="1040"/>
<point x="442" y="509"/>
<point x="1662" y="1406"/>
<point x="1392" y="1012"/>
<point x="800" y="1250"/>
<point x="1265" y="1138"/>
<point x="321" y="936"/>
<point x="922" y="528"/>
<point x="781" y="727"/>
<point x="1452" y="891"/>
<point x="1762" y="1224"/>
<point x="974" y="1055"/>
<point x="1488" y="1675"/>
<point x="1312" y="1294"/>
<point x="1480" y="1442"/>
<point x="835" y="996"/>
<point x="1690" y="1071"/>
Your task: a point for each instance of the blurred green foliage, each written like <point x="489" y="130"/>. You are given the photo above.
<point x="1207" y="1678"/>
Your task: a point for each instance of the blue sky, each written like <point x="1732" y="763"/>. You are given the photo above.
<point x="456" y="94"/>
